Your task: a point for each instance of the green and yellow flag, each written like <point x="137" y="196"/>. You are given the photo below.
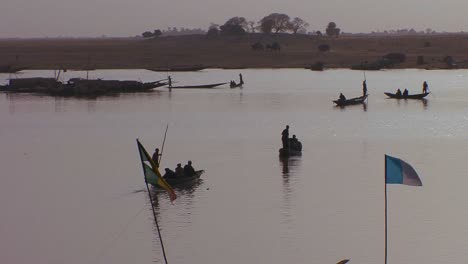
<point x="152" y="174"/>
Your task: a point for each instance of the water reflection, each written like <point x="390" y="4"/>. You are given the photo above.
<point x="62" y="104"/>
<point x="185" y="194"/>
<point x="290" y="167"/>
<point x="424" y="102"/>
<point x="343" y="107"/>
<point x="289" y="164"/>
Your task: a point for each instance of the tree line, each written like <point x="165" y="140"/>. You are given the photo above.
<point x="235" y="26"/>
<point x="272" y="23"/>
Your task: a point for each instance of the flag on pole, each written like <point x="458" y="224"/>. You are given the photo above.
<point x="152" y="174"/>
<point x="399" y="172"/>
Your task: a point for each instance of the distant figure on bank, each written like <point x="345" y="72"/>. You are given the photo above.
<point x="189" y="171"/>
<point x="155" y="157"/>
<point x="364" y="88"/>
<point x="179" y="171"/>
<point x="425" y="86"/>
<point x="342" y="97"/>
<point x="405" y="92"/>
<point x="285" y="137"/>
<point x="169" y="173"/>
<point x="241" y="81"/>
<point x="398" y="92"/>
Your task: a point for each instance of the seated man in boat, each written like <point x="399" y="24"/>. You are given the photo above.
<point x="295" y="144"/>
<point x="342" y="97"/>
<point x="179" y="171"/>
<point x="398" y="92"/>
<point x="169" y="173"/>
<point x="189" y="171"/>
<point x="156" y="156"/>
<point x="405" y="92"/>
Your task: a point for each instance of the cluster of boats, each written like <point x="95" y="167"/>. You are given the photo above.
<point x="94" y="87"/>
<point x="342" y="101"/>
<point x="77" y="86"/>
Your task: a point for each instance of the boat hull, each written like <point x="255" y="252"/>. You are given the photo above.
<point x="411" y="96"/>
<point x="352" y="101"/>
<point x="198" y="86"/>
<point x="181" y="181"/>
<point x="289" y="152"/>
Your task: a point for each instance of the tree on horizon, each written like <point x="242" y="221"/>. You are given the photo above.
<point x="234" y="26"/>
<point x="332" y="30"/>
<point x="276" y="22"/>
<point x="297" y="25"/>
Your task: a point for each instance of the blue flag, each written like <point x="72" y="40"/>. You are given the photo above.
<point x="400" y="172"/>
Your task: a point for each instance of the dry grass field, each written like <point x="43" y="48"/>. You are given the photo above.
<point x="230" y="52"/>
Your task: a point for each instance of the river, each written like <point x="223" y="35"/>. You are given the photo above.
<point x="73" y="191"/>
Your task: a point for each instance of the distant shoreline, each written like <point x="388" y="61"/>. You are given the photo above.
<point x="198" y="51"/>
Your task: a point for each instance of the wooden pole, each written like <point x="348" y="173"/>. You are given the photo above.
<point x="162" y="148"/>
<point x="152" y="205"/>
<point x="385" y="183"/>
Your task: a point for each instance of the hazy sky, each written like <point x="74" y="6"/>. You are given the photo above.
<point x="81" y="18"/>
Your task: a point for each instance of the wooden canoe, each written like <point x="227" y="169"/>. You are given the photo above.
<point x="182" y="180"/>
<point x="351" y="101"/>
<point x="410" y="96"/>
<point x="198" y="86"/>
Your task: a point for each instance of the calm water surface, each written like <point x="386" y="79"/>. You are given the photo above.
<point x="72" y="187"/>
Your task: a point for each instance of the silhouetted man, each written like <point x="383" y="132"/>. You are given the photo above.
<point x="285" y="137"/>
<point x="425" y="87"/>
<point x="189" y="171"/>
<point x="364" y="88"/>
<point x="156" y="156"/>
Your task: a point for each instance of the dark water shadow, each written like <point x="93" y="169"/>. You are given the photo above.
<point x="290" y="167"/>
<point x="404" y="102"/>
<point x="61" y="102"/>
<point x="290" y="164"/>
<point x="344" y="107"/>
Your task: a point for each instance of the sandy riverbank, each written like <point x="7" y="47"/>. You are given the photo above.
<point x="230" y="52"/>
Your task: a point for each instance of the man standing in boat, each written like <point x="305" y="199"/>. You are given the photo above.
<point x="156" y="156"/>
<point x="241" y="81"/>
<point x="285" y="138"/>
<point x="169" y="81"/>
<point x="425" y="86"/>
<point x="364" y="88"/>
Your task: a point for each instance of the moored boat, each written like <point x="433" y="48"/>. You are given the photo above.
<point x="77" y="86"/>
<point x="410" y="96"/>
<point x="213" y="85"/>
<point x="351" y="101"/>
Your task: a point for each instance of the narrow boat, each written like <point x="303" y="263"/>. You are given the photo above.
<point x="351" y="101"/>
<point x="410" y="96"/>
<point x="183" y="180"/>
<point x="198" y="86"/>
